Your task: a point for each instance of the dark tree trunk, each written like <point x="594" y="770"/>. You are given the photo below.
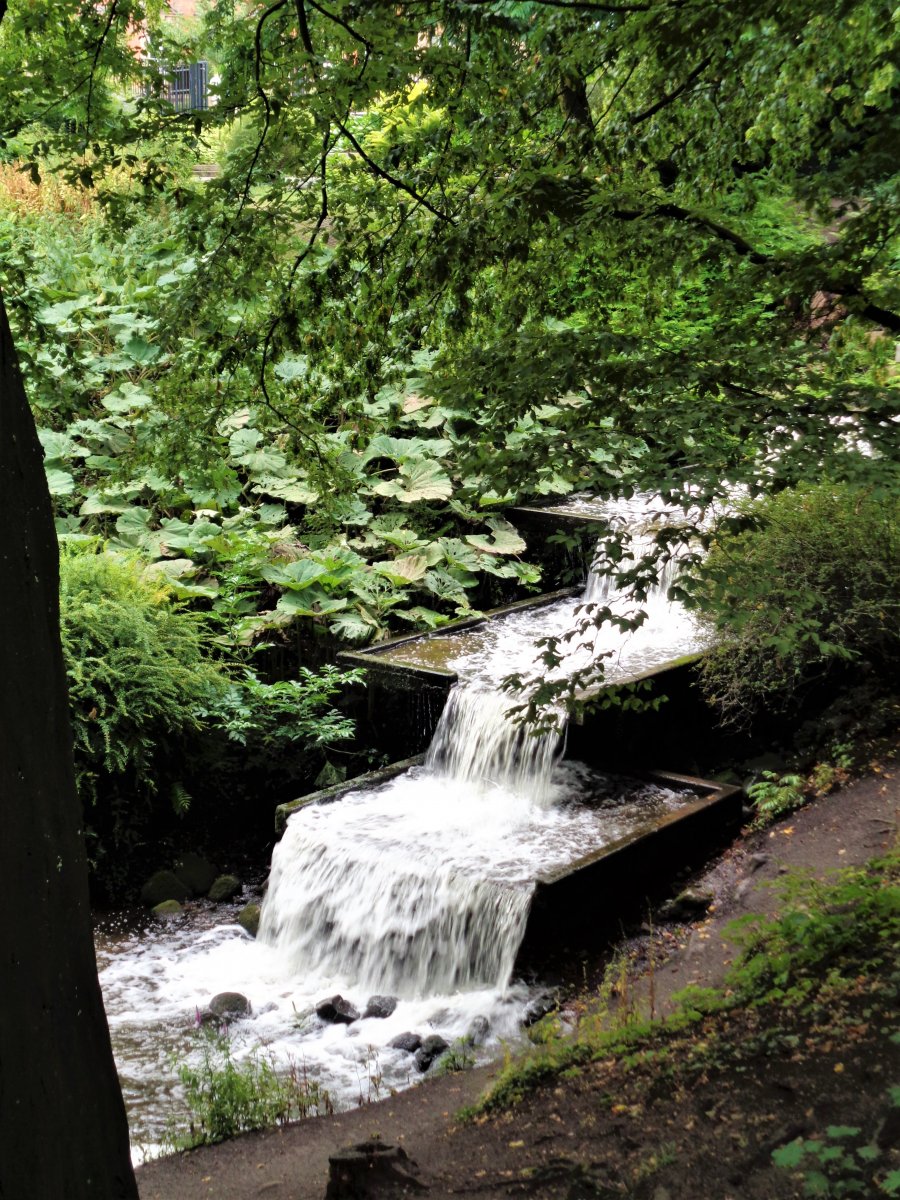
<point x="62" y="1118"/>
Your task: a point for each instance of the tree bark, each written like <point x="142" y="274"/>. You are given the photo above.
<point x="65" y="1135"/>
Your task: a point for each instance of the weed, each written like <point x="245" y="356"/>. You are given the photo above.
<point x="460" y="1057"/>
<point x="837" y="1165"/>
<point x="226" y="1097"/>
<point x="774" y="795"/>
<point x="662" y="1156"/>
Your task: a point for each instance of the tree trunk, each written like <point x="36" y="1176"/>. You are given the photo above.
<point x="62" y="1117"/>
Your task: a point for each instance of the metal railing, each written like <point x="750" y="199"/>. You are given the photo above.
<point x="186" y="87"/>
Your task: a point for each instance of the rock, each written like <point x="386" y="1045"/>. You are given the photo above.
<point x="689" y="905"/>
<point x="371" y="1169"/>
<point x="757" y="861"/>
<point x="195" y="873"/>
<point x="167" y="910"/>
<point x="164" y="885"/>
<point x="433" y="1047"/>
<point x="226" y="887"/>
<point x="539" y="1008"/>
<point x="248" y="918"/>
<point x="477" y="1033"/>
<point x="337" y="1011"/>
<point x="380" y="1006"/>
<point x="410" y="1042"/>
<point x="230" y="1004"/>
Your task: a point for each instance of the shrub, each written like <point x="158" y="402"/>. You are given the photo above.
<point x="158" y="719"/>
<point x="812" y="583"/>
<point x="138" y="681"/>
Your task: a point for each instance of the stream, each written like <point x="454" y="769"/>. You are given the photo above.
<point x="418" y="890"/>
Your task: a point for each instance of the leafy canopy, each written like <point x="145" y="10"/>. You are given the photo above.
<point x="464" y="252"/>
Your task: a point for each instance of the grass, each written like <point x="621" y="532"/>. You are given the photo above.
<point x="827" y="936"/>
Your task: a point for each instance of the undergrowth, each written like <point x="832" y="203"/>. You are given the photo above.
<point x="828" y="935"/>
<point x="227" y="1096"/>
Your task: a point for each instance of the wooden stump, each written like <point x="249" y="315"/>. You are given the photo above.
<point x="371" y="1169"/>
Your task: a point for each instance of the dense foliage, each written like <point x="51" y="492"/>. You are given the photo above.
<point x="813" y="584"/>
<point x="457" y="254"/>
<point x="156" y="718"/>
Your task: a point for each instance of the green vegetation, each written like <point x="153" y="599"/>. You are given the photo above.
<point x="485" y="254"/>
<point x="158" y="714"/>
<point x="834" y="1165"/>
<point x="227" y="1096"/>
<point x="458" y="255"/>
<point x="828" y="937"/>
<point x="811" y="585"/>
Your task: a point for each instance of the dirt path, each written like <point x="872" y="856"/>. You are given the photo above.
<point x="564" y="1141"/>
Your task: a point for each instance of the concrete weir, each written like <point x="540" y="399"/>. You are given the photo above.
<point x="580" y="904"/>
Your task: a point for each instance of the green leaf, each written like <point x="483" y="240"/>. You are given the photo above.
<point x="505" y="540"/>
<point x="836" y="1132"/>
<point x="353" y="627"/>
<point x="292" y="491"/>
<point x="408" y="569"/>
<point x="56" y="445"/>
<point x="60" y="482"/>
<point x="289" y="369"/>
<point x="104" y="502"/>
<point x="310" y="604"/>
<point x="296" y="575"/>
<point x="125" y="398"/>
<point x="57" y="314"/>
<point x="789" y="1156"/>
<point x="419" y="479"/>
<point x="140" y="351"/>
<point x="133" y="525"/>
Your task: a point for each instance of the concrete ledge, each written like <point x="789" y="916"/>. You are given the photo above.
<point x="580" y="906"/>
<point x="338" y="790"/>
<point x="411" y="677"/>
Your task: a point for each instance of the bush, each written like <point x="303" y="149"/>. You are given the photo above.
<point x="157" y="718"/>
<point x="811" y="584"/>
<point x="138" y="681"/>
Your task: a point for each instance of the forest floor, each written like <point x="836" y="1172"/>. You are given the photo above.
<point x="689" y="1109"/>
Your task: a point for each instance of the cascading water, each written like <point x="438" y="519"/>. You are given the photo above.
<point x="372" y="892"/>
<point x="419" y="888"/>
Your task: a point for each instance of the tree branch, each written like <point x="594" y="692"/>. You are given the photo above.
<point x="667" y="99"/>
<point x="391" y="179"/>
<point x="97" y="52"/>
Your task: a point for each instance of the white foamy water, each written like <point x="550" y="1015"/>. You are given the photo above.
<point x="418" y="889"/>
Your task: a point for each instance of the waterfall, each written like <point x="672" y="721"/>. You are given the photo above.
<point x="422" y="886"/>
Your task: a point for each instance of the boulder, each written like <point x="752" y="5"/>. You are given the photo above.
<point x="195" y="872"/>
<point x="337" y="1011"/>
<point x="248" y="918"/>
<point x="380" y="1006"/>
<point x="433" y="1047"/>
<point x="225" y="888"/>
<point x="689" y="905"/>
<point x="540" y="1007"/>
<point x="410" y="1042"/>
<point x="167" y="910"/>
<point x="230" y="1004"/>
<point x="478" y="1031"/>
<point x="164" y="885"/>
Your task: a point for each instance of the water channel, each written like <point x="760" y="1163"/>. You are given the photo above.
<point x="418" y="889"/>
